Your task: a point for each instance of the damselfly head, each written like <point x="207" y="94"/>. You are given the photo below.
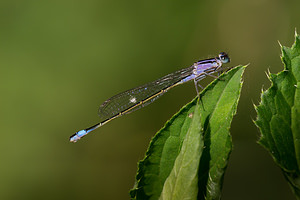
<point x="224" y="58"/>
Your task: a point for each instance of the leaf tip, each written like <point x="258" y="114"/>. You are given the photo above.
<point x="268" y="74"/>
<point x="254" y="105"/>
<point x="297" y="39"/>
<point x="279" y="44"/>
<point x="246" y="65"/>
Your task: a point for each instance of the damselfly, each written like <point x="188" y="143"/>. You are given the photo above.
<point x="136" y="98"/>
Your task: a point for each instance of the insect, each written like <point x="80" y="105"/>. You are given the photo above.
<point x="136" y="98"/>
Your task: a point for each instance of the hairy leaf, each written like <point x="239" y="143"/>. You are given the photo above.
<point x="278" y="116"/>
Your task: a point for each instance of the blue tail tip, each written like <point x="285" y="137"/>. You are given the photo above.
<point x="74" y="138"/>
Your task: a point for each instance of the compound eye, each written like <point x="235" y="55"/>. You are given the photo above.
<point x="224" y="57"/>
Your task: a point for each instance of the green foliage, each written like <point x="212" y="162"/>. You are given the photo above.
<point x="278" y="116"/>
<point x="182" y="183"/>
<point x="187" y="158"/>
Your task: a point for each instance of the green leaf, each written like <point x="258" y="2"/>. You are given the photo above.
<point x="218" y="105"/>
<point x="182" y="182"/>
<point x="278" y="116"/>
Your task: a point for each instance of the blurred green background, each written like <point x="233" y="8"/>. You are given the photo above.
<point x="61" y="59"/>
